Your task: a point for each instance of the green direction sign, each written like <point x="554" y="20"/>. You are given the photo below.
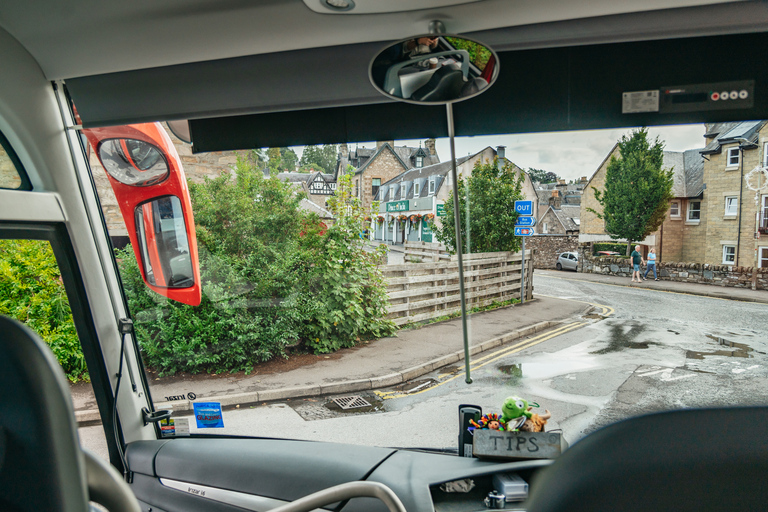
<point x="426" y="231"/>
<point x="398" y="206"/>
<point x="440" y="210"/>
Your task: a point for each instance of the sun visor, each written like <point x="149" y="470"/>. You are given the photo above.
<point x="541" y="90"/>
<point x="578" y="88"/>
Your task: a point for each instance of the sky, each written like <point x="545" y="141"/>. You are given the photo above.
<point x="570" y="155"/>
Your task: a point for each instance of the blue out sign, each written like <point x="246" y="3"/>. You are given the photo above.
<point x="524" y="208"/>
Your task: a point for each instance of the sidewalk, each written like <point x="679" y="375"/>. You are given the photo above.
<point x="707" y="290"/>
<point x="381" y="363"/>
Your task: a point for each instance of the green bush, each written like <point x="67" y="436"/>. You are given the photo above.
<point x="32" y="292"/>
<point x="272" y="277"/>
<point x="619" y="248"/>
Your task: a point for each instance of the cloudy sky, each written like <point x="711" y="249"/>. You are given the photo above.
<point x="569" y="154"/>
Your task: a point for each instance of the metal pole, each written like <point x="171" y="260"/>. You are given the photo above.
<point x="522" y="274"/>
<point x="457" y="220"/>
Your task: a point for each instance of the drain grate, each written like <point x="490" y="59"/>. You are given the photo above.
<point x="351" y="402"/>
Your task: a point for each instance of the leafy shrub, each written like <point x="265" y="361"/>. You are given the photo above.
<point x="272" y="277"/>
<point x="620" y="248"/>
<point x="32" y="292"/>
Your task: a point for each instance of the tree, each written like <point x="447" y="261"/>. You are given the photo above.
<point x="289" y="159"/>
<point x="541" y="176"/>
<point x="492" y="194"/>
<point x="324" y="157"/>
<point x="637" y="191"/>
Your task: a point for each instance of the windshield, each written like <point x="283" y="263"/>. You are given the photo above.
<point x="330" y="297"/>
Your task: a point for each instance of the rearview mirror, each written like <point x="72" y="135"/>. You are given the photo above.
<point x="434" y="69"/>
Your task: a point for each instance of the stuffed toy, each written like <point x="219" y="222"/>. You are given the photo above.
<point x="488" y="422"/>
<point x="536" y="422"/>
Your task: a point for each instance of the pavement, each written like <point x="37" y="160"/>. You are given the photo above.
<point x="378" y="364"/>
<point x="706" y="290"/>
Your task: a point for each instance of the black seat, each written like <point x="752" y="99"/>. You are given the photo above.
<point x="445" y="85"/>
<point x="41" y="464"/>
<point x="685" y="460"/>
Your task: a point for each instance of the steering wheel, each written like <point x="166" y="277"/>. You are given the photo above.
<point x="344" y="492"/>
<point x="106" y="487"/>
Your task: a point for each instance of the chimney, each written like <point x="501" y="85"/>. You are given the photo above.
<point x="501" y="152"/>
<point x="554" y="199"/>
<point x="561" y="182"/>
<point x="380" y="143"/>
<point x="344" y="150"/>
<point x="430" y="145"/>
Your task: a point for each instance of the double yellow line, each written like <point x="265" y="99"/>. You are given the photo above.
<point x="490" y="358"/>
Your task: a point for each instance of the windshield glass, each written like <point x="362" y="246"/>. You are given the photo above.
<point x="330" y="295"/>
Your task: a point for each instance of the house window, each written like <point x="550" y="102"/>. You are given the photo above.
<point x="375" y="186"/>
<point x="419" y="161"/>
<point x="763" y="257"/>
<point x="544" y="227"/>
<point x="731" y="204"/>
<point x="764" y="213"/>
<point x="674" y="209"/>
<point x="383" y="194"/>
<point x="357" y="183"/>
<point x="694" y="211"/>
<point x="403" y="190"/>
<point x="729" y="254"/>
<point x="416" y="190"/>
<point x="732" y="157"/>
<point x="431" y="186"/>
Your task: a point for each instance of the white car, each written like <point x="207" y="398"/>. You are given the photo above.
<point x="568" y="260"/>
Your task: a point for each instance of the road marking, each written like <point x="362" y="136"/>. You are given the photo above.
<point x="605" y="310"/>
<point x="666" y="375"/>
<point x="490" y="358"/>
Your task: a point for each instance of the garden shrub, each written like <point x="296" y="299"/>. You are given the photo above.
<point x="32" y="292"/>
<point x="273" y="276"/>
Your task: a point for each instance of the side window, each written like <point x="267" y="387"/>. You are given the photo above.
<point x="32" y="292"/>
<point x="674" y="209"/>
<point x="731" y="205"/>
<point x="732" y="158"/>
<point x="12" y="173"/>
<point x="375" y="184"/>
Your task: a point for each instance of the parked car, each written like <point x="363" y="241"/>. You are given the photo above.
<point x="568" y="260"/>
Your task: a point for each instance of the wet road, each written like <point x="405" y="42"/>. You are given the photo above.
<point x="637" y="351"/>
<point x="640" y="350"/>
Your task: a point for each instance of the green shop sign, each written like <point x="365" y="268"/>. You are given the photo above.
<point x="440" y="210"/>
<point x="426" y="231"/>
<point x="398" y="206"/>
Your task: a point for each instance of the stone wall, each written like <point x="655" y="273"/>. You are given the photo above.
<point x="548" y="247"/>
<point x="720" y="275"/>
<point x="9" y="177"/>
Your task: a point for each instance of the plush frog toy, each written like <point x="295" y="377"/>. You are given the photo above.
<point x="515" y="407"/>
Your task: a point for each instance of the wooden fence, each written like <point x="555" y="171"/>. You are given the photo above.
<point x="418" y="252"/>
<point x="422" y="291"/>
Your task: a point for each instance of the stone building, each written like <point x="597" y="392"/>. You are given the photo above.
<point x="373" y="167"/>
<point x="421" y="191"/>
<point x="714" y="217"/>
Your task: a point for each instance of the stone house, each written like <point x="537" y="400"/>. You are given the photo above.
<point x="735" y="215"/>
<point x="425" y="190"/>
<point x="559" y="220"/>
<point x="373" y="167"/>
<point x="714" y="217"/>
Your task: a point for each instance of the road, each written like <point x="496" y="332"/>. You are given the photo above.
<point x="637" y="351"/>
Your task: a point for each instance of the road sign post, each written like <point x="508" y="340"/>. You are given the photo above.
<point x="524" y="228"/>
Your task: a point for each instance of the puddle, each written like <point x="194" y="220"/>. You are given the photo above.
<point x="415" y="386"/>
<point x="513" y="373"/>
<point x="622" y="338"/>
<point x="377" y="404"/>
<point x="593" y="316"/>
<point x="738" y="349"/>
<point x="451" y="370"/>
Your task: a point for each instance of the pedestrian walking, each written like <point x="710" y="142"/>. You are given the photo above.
<point x="651" y="264"/>
<point x="637" y="260"/>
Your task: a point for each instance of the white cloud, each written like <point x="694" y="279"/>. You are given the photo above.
<point x="569" y="154"/>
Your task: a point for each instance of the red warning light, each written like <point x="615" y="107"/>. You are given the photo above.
<point x="715" y="96"/>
